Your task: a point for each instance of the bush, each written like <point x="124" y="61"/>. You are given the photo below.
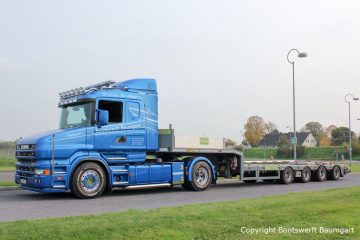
<point x="239" y="148"/>
<point x="316" y="153"/>
<point x="285" y="152"/>
<point x="300" y="151"/>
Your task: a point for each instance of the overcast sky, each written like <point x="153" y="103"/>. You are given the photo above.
<point x="216" y="62"/>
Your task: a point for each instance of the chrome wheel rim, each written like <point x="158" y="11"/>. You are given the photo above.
<point x="306" y="174"/>
<point x="90" y="181"/>
<point x="201" y="176"/>
<point x="288" y="175"/>
<point x="322" y="173"/>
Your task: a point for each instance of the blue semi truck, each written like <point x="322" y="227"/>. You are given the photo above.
<point x="109" y="138"/>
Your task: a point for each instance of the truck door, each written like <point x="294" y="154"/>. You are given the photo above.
<point x="123" y="139"/>
<point x="110" y="140"/>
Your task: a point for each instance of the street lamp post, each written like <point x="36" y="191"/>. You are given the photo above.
<point x="289" y="140"/>
<point x="241" y="137"/>
<point x="349" y="101"/>
<point x="300" y="55"/>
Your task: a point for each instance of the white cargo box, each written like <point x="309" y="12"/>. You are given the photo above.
<point x="199" y="142"/>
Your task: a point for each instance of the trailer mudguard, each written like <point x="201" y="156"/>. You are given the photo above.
<point x="189" y="164"/>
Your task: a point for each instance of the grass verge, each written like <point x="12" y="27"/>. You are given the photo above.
<point x="336" y="208"/>
<point x="7" y="184"/>
<point x="7" y="165"/>
<point x="355" y="167"/>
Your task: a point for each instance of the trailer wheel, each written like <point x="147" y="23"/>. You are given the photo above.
<point x="305" y="175"/>
<point x="88" y="180"/>
<point x="320" y="174"/>
<point x="287" y="176"/>
<point x="201" y="177"/>
<point x="335" y="173"/>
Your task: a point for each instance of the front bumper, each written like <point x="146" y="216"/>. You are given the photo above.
<point x="43" y="190"/>
<point x="41" y="183"/>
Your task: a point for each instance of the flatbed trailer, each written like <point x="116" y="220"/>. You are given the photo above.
<point x="109" y="138"/>
<point x="231" y="163"/>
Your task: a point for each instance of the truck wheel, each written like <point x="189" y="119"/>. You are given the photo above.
<point x="88" y="181"/>
<point x="320" y="174"/>
<point x="335" y="173"/>
<point x="201" y="177"/>
<point x="287" y="176"/>
<point x="305" y="175"/>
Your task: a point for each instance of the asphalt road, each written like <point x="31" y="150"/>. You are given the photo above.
<point x="7" y="176"/>
<point x="16" y="205"/>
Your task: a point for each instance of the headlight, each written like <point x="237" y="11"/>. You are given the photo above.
<point x="42" y="171"/>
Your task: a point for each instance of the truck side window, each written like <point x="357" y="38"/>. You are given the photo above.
<point x="115" y="110"/>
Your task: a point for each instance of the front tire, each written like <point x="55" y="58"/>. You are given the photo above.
<point x="88" y="180"/>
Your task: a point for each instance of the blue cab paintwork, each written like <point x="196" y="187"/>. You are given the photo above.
<point x="120" y="148"/>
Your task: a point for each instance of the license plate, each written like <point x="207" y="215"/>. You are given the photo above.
<point x="23" y="181"/>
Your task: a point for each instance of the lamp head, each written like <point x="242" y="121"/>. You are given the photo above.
<point x="302" y="55"/>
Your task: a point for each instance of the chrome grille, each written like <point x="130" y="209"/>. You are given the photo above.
<point x="25" y="156"/>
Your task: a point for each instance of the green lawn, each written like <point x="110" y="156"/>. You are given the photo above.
<point x="354" y="167"/>
<point x="336" y="208"/>
<point x="7" y="164"/>
<point x="7" y="183"/>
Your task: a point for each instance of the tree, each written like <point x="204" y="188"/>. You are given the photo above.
<point x="275" y="131"/>
<point x="239" y="147"/>
<point x="316" y="130"/>
<point x="325" y="140"/>
<point x="283" y="147"/>
<point x="284" y="150"/>
<point x="328" y="130"/>
<point x="270" y="127"/>
<point x="340" y="135"/>
<point x="254" y="130"/>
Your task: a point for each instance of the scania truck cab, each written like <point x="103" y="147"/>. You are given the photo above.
<point x="108" y="138"/>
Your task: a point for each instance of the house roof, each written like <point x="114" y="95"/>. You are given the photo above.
<point x="273" y="138"/>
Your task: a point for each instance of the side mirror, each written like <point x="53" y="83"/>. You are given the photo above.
<point x="103" y="117"/>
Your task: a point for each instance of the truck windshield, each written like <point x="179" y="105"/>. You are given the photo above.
<point x="76" y="115"/>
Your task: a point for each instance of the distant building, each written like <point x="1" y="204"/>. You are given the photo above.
<point x="305" y="139"/>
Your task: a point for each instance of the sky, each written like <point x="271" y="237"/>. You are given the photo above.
<point x="216" y="62"/>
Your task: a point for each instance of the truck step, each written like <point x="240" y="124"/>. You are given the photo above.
<point x="121" y="171"/>
<point x="149" y="186"/>
<point x="120" y="183"/>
